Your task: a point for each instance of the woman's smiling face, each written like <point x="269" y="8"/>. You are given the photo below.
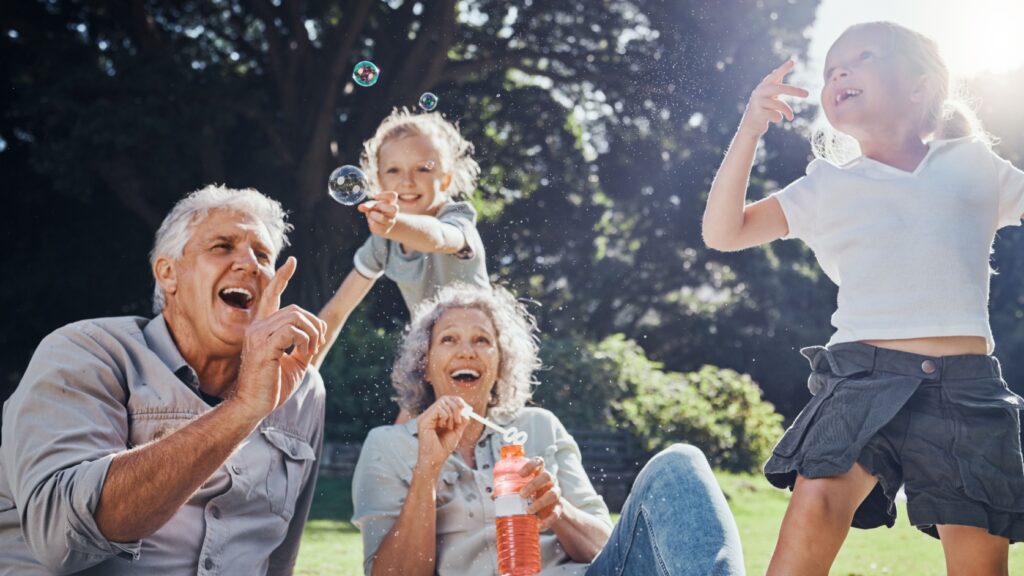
<point x="464" y="358"/>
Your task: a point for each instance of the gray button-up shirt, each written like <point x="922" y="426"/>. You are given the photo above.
<point x="466" y="537"/>
<point x="99" y="387"/>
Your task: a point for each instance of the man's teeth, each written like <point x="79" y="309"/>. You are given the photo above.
<point x="236" y="297"/>
<point x="241" y="291"/>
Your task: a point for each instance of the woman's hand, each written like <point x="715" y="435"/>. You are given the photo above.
<point x="440" y="428"/>
<point x="765" y="107"/>
<point x="381" y="213"/>
<point x="544" y="494"/>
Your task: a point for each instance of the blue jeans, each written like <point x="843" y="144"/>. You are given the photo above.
<point x="675" y="522"/>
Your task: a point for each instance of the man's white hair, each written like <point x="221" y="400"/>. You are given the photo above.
<point x="177" y="227"/>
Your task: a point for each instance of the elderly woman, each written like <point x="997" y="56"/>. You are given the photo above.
<point x="422" y="489"/>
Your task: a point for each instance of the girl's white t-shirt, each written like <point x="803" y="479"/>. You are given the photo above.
<point x="908" y="250"/>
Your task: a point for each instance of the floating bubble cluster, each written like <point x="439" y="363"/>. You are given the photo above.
<point x="348" y="185"/>
<point x="366" y="73"/>
<point x="428" y="101"/>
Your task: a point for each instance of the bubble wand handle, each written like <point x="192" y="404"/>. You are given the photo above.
<point x="510" y="435"/>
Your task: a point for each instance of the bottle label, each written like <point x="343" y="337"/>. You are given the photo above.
<point x="510" y="505"/>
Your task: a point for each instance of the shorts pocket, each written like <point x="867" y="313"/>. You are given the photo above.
<point x="986" y="441"/>
<point x="290" y="457"/>
<point x="790" y="442"/>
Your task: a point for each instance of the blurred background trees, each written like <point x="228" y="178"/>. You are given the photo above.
<point x="599" y="126"/>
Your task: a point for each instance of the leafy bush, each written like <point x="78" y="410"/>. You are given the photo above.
<point x="612" y="384"/>
<point x="718" y="410"/>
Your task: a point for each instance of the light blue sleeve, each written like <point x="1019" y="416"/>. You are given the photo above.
<point x="799" y="203"/>
<point x="378" y="491"/>
<point x="462" y="215"/>
<point x="572" y="476"/>
<point x="371" y="258"/>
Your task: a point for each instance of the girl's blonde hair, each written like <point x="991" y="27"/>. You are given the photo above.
<point x="947" y="113"/>
<point x="455" y="151"/>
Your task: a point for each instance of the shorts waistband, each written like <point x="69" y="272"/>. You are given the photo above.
<point x="850" y="358"/>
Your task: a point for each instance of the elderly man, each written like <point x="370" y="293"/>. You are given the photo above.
<point x="183" y="444"/>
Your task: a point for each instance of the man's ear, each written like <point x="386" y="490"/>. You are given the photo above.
<point x="166" y="275"/>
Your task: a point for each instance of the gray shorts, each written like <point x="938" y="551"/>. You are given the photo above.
<point x="947" y="429"/>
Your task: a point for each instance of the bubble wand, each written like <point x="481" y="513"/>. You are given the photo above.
<point x="510" y="435"/>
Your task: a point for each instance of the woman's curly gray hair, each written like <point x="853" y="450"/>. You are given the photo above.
<point x="517" y="346"/>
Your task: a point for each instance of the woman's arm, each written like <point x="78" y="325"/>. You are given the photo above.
<point x="337" y="310"/>
<point x="728" y="224"/>
<point x="582" y="535"/>
<point x="411" y="545"/>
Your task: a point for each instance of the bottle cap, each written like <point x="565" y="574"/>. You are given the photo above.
<point x="512" y="451"/>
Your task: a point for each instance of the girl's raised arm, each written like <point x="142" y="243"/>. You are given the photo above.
<point x="729" y="225"/>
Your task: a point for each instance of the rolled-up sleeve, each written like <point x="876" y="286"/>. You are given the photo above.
<point x="61" y="428"/>
<point x="462" y="216"/>
<point x="378" y="492"/>
<point x="371" y="257"/>
<point x="572" y="477"/>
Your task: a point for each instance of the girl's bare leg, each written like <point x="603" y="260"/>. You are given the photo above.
<point x="817" y="521"/>
<point x="973" y="551"/>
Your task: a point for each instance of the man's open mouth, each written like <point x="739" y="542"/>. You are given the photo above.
<point x="236" y="297"/>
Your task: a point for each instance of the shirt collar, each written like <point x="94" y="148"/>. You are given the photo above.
<point x="159" y="340"/>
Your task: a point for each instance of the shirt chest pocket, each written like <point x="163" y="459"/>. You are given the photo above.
<point x="453" y="508"/>
<point x="290" y="460"/>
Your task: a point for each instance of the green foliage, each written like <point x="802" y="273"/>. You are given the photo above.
<point x="357" y="374"/>
<point x="583" y="380"/>
<point x="718" y="410"/>
<point x="613" y="383"/>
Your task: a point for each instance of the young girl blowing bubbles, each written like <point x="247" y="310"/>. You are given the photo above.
<point x="906" y="392"/>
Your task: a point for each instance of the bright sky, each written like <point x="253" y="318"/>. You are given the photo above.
<point x="974" y="35"/>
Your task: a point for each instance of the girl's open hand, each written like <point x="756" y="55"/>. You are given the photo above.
<point x="765" y="106"/>
<point x="381" y="212"/>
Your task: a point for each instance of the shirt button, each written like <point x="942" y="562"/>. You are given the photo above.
<point x="486" y="466"/>
<point x="488" y="489"/>
<point x="208" y="564"/>
<point x="928" y="367"/>
<point x="236" y="469"/>
<point x="482" y="443"/>
<point x="216" y="512"/>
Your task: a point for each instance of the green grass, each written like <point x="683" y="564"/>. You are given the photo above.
<point x="331" y="545"/>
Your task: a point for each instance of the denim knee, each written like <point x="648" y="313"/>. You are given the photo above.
<point x="678" y="461"/>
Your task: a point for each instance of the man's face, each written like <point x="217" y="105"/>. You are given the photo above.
<point x="218" y="281"/>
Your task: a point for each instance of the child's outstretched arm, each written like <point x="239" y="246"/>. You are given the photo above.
<point x="339" y="307"/>
<point x="417" y="232"/>
<point x="729" y="225"/>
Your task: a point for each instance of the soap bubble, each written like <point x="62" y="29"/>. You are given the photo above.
<point x="348" y="185"/>
<point x="366" y="73"/>
<point x="428" y="101"/>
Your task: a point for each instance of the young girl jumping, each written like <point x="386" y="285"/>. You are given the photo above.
<point x="906" y="392"/>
